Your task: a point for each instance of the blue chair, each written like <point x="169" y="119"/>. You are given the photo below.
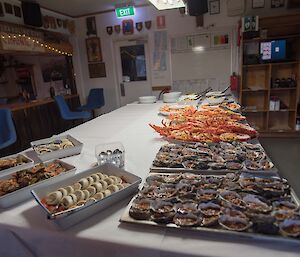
<point x="95" y="100"/>
<point x="7" y="129"/>
<point x="65" y="111"/>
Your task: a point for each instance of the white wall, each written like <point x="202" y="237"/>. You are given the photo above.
<point x="177" y="24"/>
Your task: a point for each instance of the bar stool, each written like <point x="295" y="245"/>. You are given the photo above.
<point x="7" y="129"/>
<point x="65" y="111"/>
<point x="95" y="100"/>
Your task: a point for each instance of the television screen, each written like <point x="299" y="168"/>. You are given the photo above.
<point x="273" y="50"/>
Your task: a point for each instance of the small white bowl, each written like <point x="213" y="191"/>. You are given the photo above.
<point x="215" y="100"/>
<point x="147" y="99"/>
<point x="171" y="97"/>
<point x="215" y="93"/>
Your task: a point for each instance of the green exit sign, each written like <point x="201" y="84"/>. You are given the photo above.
<point x="125" y="11"/>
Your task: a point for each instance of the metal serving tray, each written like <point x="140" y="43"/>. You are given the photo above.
<point x="212" y="231"/>
<point x="23" y="194"/>
<point x="69" y="218"/>
<point x="58" y="153"/>
<point x="271" y="172"/>
<point x="24" y="166"/>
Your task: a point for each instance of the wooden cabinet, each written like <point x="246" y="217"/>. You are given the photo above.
<point x="257" y="91"/>
<point x="264" y="83"/>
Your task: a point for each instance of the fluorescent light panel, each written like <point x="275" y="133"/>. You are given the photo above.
<point x="167" y="4"/>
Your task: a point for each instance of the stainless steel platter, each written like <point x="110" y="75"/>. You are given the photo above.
<point x="157" y="208"/>
<point x="213" y="158"/>
<point x="23" y="194"/>
<point x="25" y="164"/>
<point x="59" y="152"/>
<point x="74" y="215"/>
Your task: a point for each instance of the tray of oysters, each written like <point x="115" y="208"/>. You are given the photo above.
<point x="249" y="205"/>
<point x="222" y="157"/>
<point x="72" y="200"/>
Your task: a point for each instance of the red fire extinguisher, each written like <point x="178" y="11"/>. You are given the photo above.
<point x="234" y="82"/>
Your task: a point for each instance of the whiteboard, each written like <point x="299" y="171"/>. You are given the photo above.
<point x="213" y="65"/>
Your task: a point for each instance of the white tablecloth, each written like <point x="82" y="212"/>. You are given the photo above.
<point x="25" y="231"/>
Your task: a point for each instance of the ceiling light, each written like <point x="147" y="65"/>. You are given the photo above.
<point x="167" y="4"/>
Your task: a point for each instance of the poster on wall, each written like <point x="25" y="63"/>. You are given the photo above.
<point x="250" y="23"/>
<point x="160" y="51"/>
<point x="54" y="70"/>
<point x="161" y="22"/>
<point x="93" y="49"/>
<point x="220" y="39"/>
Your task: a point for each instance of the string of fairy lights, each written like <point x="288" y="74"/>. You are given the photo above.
<point x="35" y="41"/>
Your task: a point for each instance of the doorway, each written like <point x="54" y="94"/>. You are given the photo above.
<point x="133" y="69"/>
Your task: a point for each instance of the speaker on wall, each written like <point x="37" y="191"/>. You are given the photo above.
<point x="32" y="14"/>
<point x="197" y="7"/>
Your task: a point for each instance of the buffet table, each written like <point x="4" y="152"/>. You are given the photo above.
<point x="25" y="231"/>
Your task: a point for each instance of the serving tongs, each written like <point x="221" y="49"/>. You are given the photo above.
<point x="225" y="89"/>
<point x="203" y="93"/>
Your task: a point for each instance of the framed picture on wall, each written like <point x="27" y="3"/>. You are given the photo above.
<point x="214" y="7"/>
<point x="258" y="4"/>
<point x="128" y="27"/>
<point x="97" y="70"/>
<point x="93" y="49"/>
<point x="277" y="3"/>
<point x="91" y="26"/>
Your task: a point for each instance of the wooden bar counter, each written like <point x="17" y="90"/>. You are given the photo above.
<point x="38" y="119"/>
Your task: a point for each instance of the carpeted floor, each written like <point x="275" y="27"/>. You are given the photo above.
<point x="285" y="154"/>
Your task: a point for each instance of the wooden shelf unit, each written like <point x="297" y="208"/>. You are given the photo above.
<point x="256" y="87"/>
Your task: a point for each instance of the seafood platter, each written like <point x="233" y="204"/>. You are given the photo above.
<point x="208" y="125"/>
<point x="15" y="162"/>
<point x="56" y="147"/>
<point x="222" y="157"/>
<point x="73" y="199"/>
<point x="176" y="108"/>
<point x="249" y="205"/>
<point x="15" y="187"/>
